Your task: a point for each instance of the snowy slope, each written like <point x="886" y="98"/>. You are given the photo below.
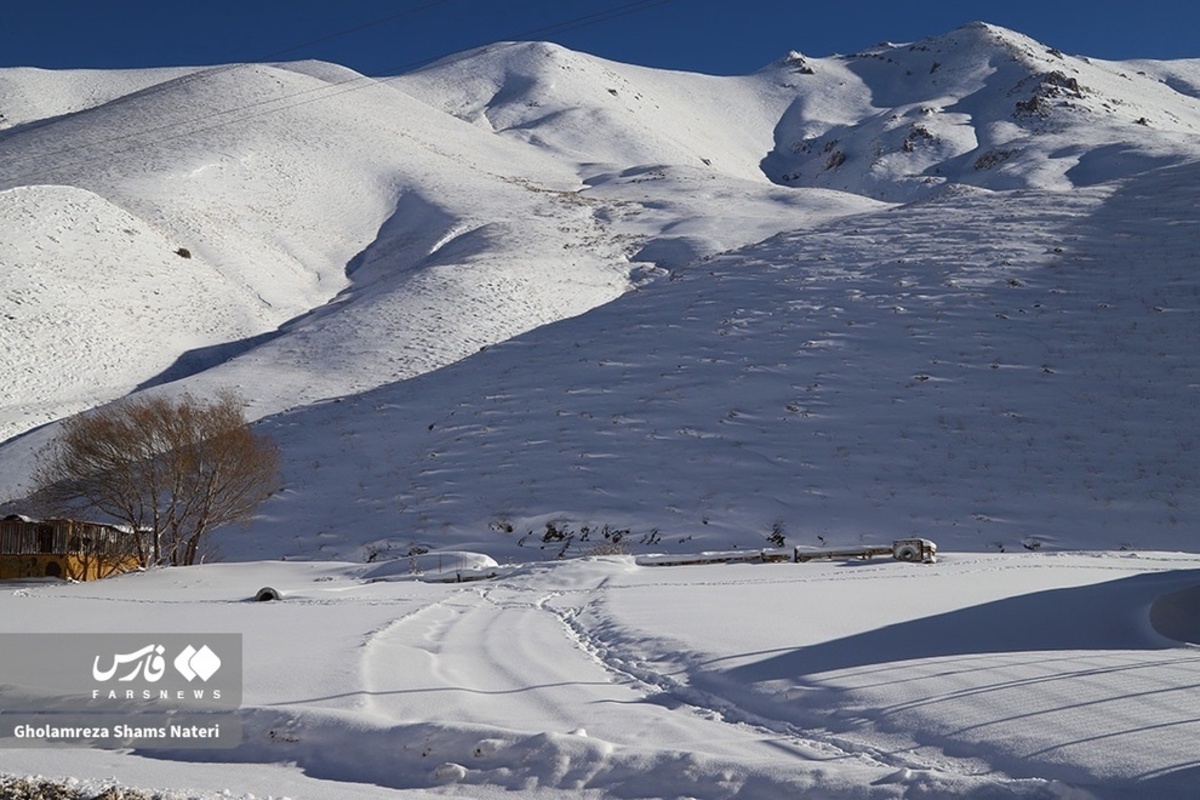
<point x="281" y="194"/>
<point x="1012" y="369"/>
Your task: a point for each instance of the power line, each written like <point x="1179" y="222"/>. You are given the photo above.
<point x="337" y="88"/>
<point x="345" y="32"/>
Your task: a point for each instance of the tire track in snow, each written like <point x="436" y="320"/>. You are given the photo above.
<point x="518" y="659"/>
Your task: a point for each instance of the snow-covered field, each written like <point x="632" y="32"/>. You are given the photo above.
<point x="985" y="675"/>
<point x="530" y="304"/>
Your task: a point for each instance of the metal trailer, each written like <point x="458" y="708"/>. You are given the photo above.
<point x="913" y="550"/>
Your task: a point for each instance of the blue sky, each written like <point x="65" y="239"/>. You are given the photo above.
<point x="714" y="36"/>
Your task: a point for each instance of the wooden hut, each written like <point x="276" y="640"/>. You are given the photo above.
<point x="64" y="548"/>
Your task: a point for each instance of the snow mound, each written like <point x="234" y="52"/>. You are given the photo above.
<point x="448" y="564"/>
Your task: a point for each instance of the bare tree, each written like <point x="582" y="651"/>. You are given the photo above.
<point x="173" y="469"/>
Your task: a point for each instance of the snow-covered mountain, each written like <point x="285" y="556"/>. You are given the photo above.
<point x="944" y="287"/>
<point x="981" y="106"/>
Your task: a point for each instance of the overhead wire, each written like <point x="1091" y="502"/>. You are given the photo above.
<point x="336" y="88"/>
<point x="355" y="29"/>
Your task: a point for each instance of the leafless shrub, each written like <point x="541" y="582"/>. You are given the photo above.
<point x="172" y="469"/>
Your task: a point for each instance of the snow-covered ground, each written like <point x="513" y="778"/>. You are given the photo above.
<point x="1005" y="675"/>
<point x="529" y="304"/>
